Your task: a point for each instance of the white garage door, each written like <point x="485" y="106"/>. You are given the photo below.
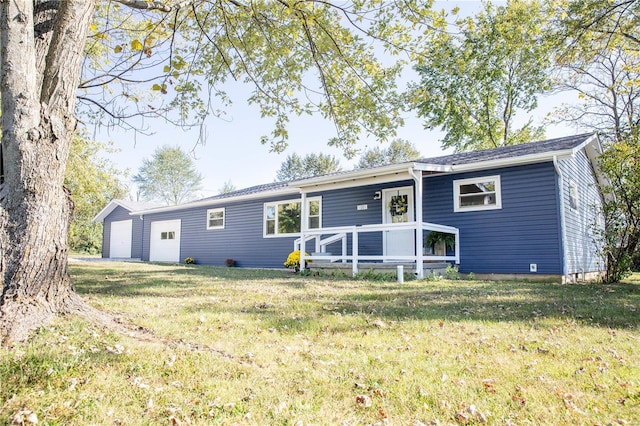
<point x="165" y="241"/>
<point x="120" y="240"/>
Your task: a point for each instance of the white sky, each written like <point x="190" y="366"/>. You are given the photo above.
<point x="233" y="151"/>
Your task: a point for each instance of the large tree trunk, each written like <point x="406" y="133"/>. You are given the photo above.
<point x="38" y="107"/>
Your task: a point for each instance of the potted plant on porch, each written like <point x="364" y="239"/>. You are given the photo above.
<point x="439" y="242"/>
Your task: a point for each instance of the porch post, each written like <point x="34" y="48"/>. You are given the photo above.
<point x="417" y="177"/>
<point x="303" y="228"/>
<point x="354" y="251"/>
<point x="457" y="246"/>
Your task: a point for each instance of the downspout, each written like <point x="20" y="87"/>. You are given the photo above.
<point x="563" y="232"/>
<point x="419" y="219"/>
<point x="142" y="236"/>
<point x="303" y="227"/>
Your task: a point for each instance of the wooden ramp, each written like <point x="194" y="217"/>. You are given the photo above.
<point x="381" y="267"/>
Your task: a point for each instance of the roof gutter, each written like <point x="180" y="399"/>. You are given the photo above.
<point x="227" y="200"/>
<point x="353" y="175"/>
<point x="507" y="162"/>
<point x="562" y="215"/>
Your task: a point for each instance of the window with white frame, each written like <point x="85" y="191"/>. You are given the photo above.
<point x="168" y="235"/>
<point x="215" y="218"/>
<point x="314" y="209"/>
<point x="284" y="217"/>
<point x="474" y="194"/>
<point x="573" y="195"/>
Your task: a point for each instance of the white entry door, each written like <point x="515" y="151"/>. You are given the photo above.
<point x="120" y="239"/>
<point x="398" y="208"/>
<point x="165" y="241"/>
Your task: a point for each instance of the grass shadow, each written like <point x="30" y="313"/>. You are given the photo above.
<point x="599" y="305"/>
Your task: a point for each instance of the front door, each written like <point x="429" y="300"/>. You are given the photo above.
<point x="397" y="207"/>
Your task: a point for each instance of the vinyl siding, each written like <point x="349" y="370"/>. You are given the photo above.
<point x="505" y="241"/>
<point x="241" y="239"/>
<point x="526" y="230"/>
<point x="118" y="214"/>
<point x="339" y="208"/>
<point x="580" y="245"/>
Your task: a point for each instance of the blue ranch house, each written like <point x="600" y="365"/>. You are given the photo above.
<point x="529" y="210"/>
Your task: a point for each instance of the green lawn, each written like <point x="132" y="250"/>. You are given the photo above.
<point x="249" y="347"/>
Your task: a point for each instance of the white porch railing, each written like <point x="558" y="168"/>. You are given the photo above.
<point x="336" y="234"/>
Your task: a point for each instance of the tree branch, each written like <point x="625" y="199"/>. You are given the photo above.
<point x="147" y="5"/>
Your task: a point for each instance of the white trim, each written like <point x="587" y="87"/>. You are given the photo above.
<point x="353" y="182"/>
<point x="514" y="161"/>
<point x="120" y="239"/>
<point x="456" y="194"/>
<point x="419" y="237"/>
<point x="204" y="203"/>
<point x="356" y="175"/>
<point x="410" y="212"/>
<point x="303" y="219"/>
<point x="574" y="185"/>
<point x="111" y="206"/>
<point x="563" y="216"/>
<point x="169" y="249"/>
<point x="390" y="173"/>
<point x="385" y="174"/>
<point x="216" y="210"/>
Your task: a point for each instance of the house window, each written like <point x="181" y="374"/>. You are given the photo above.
<point x="215" y="219"/>
<point x="283" y="217"/>
<point x="573" y="195"/>
<point x="477" y="194"/>
<point x="313" y="210"/>
<point x="168" y="235"/>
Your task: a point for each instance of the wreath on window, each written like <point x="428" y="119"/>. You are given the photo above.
<point x="399" y="205"/>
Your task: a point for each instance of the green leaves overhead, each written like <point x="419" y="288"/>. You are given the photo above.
<point x="297" y="57"/>
<point x="478" y="78"/>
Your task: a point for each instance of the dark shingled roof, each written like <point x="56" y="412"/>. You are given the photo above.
<point x="549" y="145"/>
<point x="247" y="191"/>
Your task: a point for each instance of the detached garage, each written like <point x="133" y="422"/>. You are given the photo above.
<point x="122" y="232"/>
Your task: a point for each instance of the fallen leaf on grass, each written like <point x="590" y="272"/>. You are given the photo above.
<point x="489" y="385"/>
<point x="363" y="401"/>
<point x="117" y="349"/>
<point x="171" y="360"/>
<point x="137" y="381"/>
<point x="519" y="399"/>
<point x="379" y="323"/>
<point x="444" y="405"/>
<point x="379" y="392"/>
<point x="569" y="401"/>
<point x="24" y="417"/>
<point x="470" y="413"/>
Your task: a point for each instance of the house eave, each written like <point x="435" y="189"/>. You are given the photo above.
<point x="102" y="215"/>
<point x="220" y="201"/>
<point x="355" y="176"/>
<point x="514" y="161"/>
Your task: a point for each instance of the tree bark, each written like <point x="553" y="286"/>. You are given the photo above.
<point x="38" y="121"/>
